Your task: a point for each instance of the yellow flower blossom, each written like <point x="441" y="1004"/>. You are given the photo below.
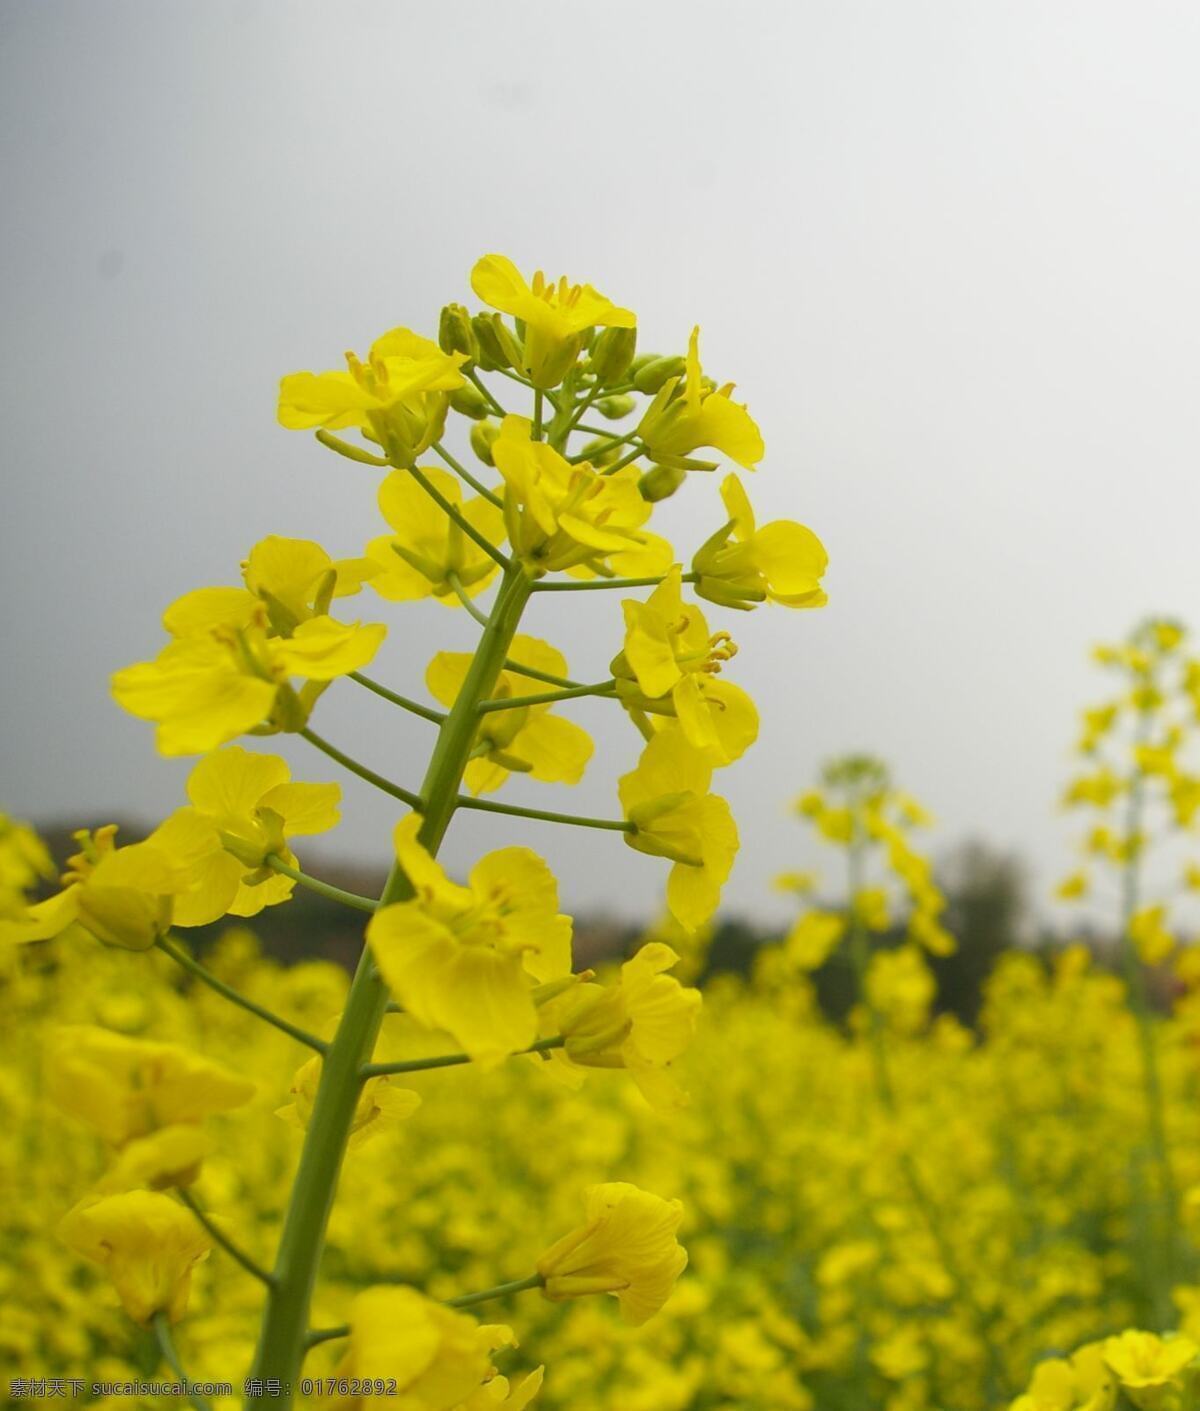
<point x="555" y="315"/>
<point x="813" y="939"/>
<point x="643" y="1023"/>
<point x="669" y="667"/>
<point x="626" y="1246"/>
<point x="399" y="397"/>
<point x="231" y="677"/>
<point x="147" y="1243"/>
<point x="1080" y="1383"/>
<point x="741" y="565"/>
<point x="531" y="739"/>
<point x="244" y="807"/>
<point x="1142" y="1361"/>
<point x="1150" y="936"/>
<point x="464" y="959"/>
<point x="128" y="1088"/>
<point x="558" y="515"/>
<point x="684" y="419"/>
<point x="667" y="799"/>
<point x="428" y="550"/>
<point x="380" y="1103"/>
<point x="124" y="896"/>
<point x="24" y="862"/>
<point x="165" y="1158"/>
<point x="900" y="987"/>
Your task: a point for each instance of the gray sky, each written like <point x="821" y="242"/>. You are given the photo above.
<point x="947" y="250"/>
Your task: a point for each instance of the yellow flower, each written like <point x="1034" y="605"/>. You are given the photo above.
<point x="676" y="425"/>
<point x="669" y="667"/>
<point x="243" y="808"/>
<point x="870" y="907"/>
<point x="626" y="1246"/>
<point x="128" y="1088"/>
<point x="676" y="817"/>
<point x="1149" y="934"/>
<point x="643" y="1024"/>
<point x="121" y="895"/>
<point x="1143" y="1360"/>
<point x="741" y="565"/>
<point x="24" y="862"/>
<point x="799" y="884"/>
<point x="398" y="397"/>
<point x="555" y="315"/>
<point x="1073" y="887"/>
<point x="230" y="676"/>
<point x="1081" y="1383"/>
<point x="437" y="1356"/>
<point x="812" y="940"/>
<point x="530" y="740"/>
<point x="464" y="959"/>
<point x="900" y="987"/>
<point x="169" y="1157"/>
<point x="147" y="1242"/>
<point x="1099" y="789"/>
<point x="379" y="1103"/>
<point x="428" y="548"/>
<point x="560" y="516"/>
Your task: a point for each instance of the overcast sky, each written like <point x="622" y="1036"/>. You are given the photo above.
<point x="948" y="251"/>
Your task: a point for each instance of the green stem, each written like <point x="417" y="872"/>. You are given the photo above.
<point x="323" y="889"/>
<point x="221" y="1238"/>
<point x="535" y="675"/>
<point x="202" y="973"/>
<point x="462" y="472"/>
<point x="166" y="1345"/>
<point x="404" y="795"/>
<point x="568" y="693"/>
<point x="284" y="1336"/>
<point x="466" y="1300"/>
<point x="453" y="512"/>
<point x="1162" y="1276"/>
<point x="465" y="599"/>
<point x="594" y="431"/>
<point x="469" y="1300"/>
<point x="582" y="585"/>
<point x="538" y="396"/>
<point x="483" y="391"/>
<point x="515" y="811"/>
<point x="638" y="450"/>
<point x="450" y="1060"/>
<point x="425" y="712"/>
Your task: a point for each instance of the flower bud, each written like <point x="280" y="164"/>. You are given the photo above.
<point x="612" y="354"/>
<point x="483" y="433"/>
<point x="468" y="401"/>
<point x="660" y="482"/>
<point x="455" y="334"/>
<point x="600" y="451"/>
<point x="497" y="346"/>
<point x="614" y="408"/>
<point x="650" y="379"/>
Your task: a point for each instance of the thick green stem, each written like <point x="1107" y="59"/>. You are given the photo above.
<point x="284" y="1336"/>
<point x="1165" y="1257"/>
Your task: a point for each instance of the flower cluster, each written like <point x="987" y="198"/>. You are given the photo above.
<point x="452" y="972"/>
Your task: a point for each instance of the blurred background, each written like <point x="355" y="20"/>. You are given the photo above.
<point x="947" y="251"/>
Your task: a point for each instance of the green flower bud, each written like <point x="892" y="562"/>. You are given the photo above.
<point x="612" y="354"/>
<point x="468" y="401"/>
<point x="660" y="482"/>
<point x="483" y="433"/>
<point x="654" y="374"/>
<point x="455" y="334"/>
<point x="600" y="451"/>
<point x="497" y="345"/>
<point x="614" y="408"/>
